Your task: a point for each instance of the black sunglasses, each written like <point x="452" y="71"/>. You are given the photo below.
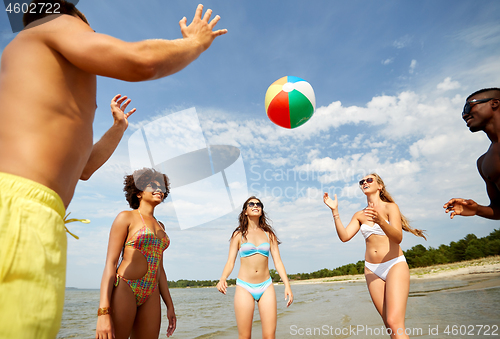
<point x="468" y="105"/>
<point x="252" y="204"/>
<point x="154" y="186"/>
<point x="368" y="180"/>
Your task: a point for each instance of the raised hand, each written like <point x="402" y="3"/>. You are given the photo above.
<point x="464" y="207"/>
<point x="118" y="106"/>
<point x="333" y="204"/>
<point x="200" y="28"/>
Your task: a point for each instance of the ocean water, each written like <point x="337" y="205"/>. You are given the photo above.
<point x="452" y="308"/>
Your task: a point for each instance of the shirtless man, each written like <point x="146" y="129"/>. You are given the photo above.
<point x="482" y="113"/>
<point x="48" y="98"/>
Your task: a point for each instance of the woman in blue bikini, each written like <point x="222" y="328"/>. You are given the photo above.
<point x="386" y="272"/>
<point x="254" y="282"/>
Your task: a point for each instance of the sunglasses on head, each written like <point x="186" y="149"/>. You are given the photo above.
<point x="154" y="186"/>
<point x="252" y="204"/>
<point x="468" y="105"/>
<point x="368" y="180"/>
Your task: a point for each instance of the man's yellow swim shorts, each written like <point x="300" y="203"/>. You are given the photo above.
<point x="32" y="259"/>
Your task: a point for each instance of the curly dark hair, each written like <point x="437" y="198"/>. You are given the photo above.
<point x="136" y="182"/>
<point x="65" y="7"/>
<point x="264" y="222"/>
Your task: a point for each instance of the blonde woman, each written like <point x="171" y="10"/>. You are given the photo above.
<point x="386" y="271"/>
<point x="254" y="282"/>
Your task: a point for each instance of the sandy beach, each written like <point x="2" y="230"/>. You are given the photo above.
<point x="463" y="269"/>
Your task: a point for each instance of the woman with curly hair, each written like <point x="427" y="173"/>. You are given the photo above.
<point x="131" y="289"/>
<point x="254" y="282"/>
<point x="386" y="271"/>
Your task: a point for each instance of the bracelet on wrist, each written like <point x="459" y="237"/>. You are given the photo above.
<point x="103" y="311"/>
<point x="336" y="216"/>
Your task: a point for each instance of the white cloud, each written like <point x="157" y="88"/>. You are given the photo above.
<point x="448" y="85"/>
<point x="480" y="35"/>
<point x="403" y="42"/>
<point x="387" y="61"/>
<point x="413" y="65"/>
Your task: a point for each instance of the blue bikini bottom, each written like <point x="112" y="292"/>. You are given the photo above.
<point x="256" y="290"/>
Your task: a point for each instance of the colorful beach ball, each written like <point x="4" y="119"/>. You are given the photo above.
<point x="290" y="102"/>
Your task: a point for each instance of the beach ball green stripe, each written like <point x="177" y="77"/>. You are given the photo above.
<point x="300" y="107"/>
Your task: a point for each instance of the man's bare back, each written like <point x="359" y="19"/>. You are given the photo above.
<point x="48" y="92"/>
<point x="48" y="107"/>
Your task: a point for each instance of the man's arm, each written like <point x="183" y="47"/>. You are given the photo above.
<point x="102" y="150"/>
<point x="468" y="207"/>
<point x="104" y="55"/>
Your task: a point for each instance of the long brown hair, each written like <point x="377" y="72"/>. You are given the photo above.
<point x="264" y="222"/>
<point x="386" y="197"/>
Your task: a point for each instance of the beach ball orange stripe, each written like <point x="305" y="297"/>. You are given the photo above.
<point x="290" y="102"/>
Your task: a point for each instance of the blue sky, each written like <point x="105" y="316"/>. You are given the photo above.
<point x="390" y="79"/>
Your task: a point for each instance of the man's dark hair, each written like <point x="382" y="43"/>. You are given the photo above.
<point x="66" y="8"/>
<point x="484" y="90"/>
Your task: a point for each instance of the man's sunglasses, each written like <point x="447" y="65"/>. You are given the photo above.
<point x="368" y="180"/>
<point x="252" y="204"/>
<point x="154" y="186"/>
<point x="468" y="105"/>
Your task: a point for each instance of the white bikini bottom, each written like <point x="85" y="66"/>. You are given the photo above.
<point x="382" y="269"/>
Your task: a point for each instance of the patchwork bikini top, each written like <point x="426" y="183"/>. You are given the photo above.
<point x="146" y="242"/>
<point x="369" y="230"/>
<point x="247" y="248"/>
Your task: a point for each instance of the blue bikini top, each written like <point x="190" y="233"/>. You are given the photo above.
<point x="369" y="230"/>
<point x="247" y="248"/>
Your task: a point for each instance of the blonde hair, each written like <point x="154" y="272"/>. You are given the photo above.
<point x="386" y="197"/>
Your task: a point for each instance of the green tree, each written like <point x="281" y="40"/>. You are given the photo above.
<point x="274" y="275"/>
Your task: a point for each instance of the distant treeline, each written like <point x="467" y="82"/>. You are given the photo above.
<point x="468" y="248"/>
<point x="197" y="283"/>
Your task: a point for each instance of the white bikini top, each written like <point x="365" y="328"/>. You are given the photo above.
<point x="369" y="230"/>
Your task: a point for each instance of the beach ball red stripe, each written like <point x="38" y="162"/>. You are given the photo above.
<point x="278" y="111"/>
<point x="290" y="102"/>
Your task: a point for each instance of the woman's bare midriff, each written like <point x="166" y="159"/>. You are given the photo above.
<point x="380" y="249"/>
<point x="254" y="269"/>
<point x="134" y="265"/>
